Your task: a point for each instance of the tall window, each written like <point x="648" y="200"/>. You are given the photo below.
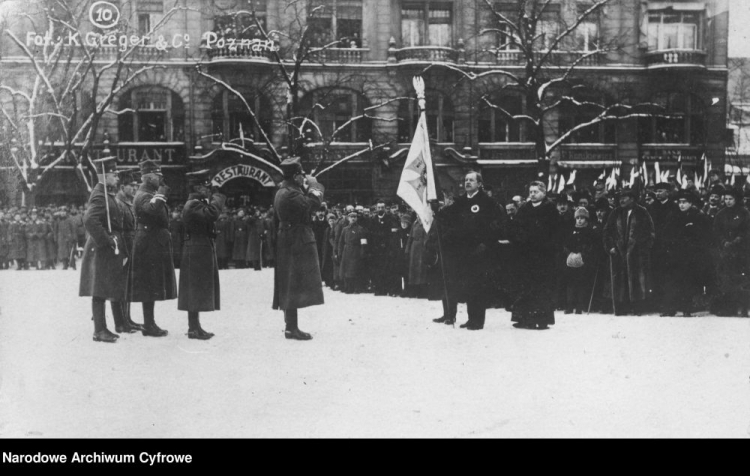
<point x="547" y="27"/>
<point x="440" y="118"/>
<point x="331" y="109"/>
<point x="679" y="120"/>
<point x="427" y="23"/>
<point x="229" y="115"/>
<point x="158" y="116"/>
<point x="495" y="125"/>
<point x="587" y="33"/>
<point x="670" y="29"/>
<point x="338" y="20"/>
<point x="229" y="25"/>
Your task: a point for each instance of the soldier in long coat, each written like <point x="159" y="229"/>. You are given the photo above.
<point x="36" y="248"/>
<point x="338" y="228"/>
<point x="239" y="234"/>
<point x="103" y="270"/>
<point x="151" y="277"/>
<point x="255" y="235"/>
<point x="124" y="198"/>
<point x="732" y="235"/>
<point x="352" y="249"/>
<point x="297" y="281"/>
<point x="470" y="230"/>
<point x="65" y="237"/>
<point x="222" y="241"/>
<point x="17" y="242"/>
<point x="49" y="241"/>
<point x="687" y="236"/>
<point x="628" y="238"/>
<point x="199" y="275"/>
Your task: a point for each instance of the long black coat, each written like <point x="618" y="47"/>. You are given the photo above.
<point x="470" y="229"/>
<point x="534" y="234"/>
<point x="151" y="277"/>
<point x="17" y="240"/>
<point x="352" y="251"/>
<point x="103" y="273"/>
<point x="297" y="281"/>
<point x="238" y="232"/>
<point x="176" y="232"/>
<point x="199" y="270"/>
<point x="65" y="237"/>
<point x="128" y="220"/>
<point x="223" y="239"/>
<point x="732" y="234"/>
<point x="632" y="262"/>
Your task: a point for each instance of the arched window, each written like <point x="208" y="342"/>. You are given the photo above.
<point x="678" y="119"/>
<point x="332" y="108"/>
<point x="157" y="115"/>
<point x="440" y="118"/>
<point x="495" y="125"/>
<point x="229" y="114"/>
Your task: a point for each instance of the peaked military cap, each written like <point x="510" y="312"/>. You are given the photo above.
<point x="150" y="167"/>
<point x="109" y="164"/>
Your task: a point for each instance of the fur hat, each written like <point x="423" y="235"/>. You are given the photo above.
<point x="581" y="212"/>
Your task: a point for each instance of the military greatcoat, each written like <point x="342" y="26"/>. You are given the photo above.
<point x="199" y="269"/>
<point x="297" y="281"/>
<point x="103" y="273"/>
<point x="151" y="277"/>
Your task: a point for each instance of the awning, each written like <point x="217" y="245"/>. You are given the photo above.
<point x="678" y="7"/>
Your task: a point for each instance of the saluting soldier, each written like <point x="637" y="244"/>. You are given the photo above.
<point x="103" y="271"/>
<point x="151" y="276"/>
<point x="297" y="281"/>
<point x="199" y="272"/>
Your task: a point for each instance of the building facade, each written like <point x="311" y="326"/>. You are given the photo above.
<point x="359" y="58"/>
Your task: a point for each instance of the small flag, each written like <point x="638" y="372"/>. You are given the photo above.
<point x="572" y="177"/>
<point x="657" y="171"/>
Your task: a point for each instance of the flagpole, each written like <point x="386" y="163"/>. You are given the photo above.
<point x="422" y="104"/>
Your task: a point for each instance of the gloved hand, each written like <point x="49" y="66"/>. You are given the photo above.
<point x="163" y="189"/>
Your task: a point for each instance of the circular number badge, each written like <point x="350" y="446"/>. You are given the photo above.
<point x="104" y="15"/>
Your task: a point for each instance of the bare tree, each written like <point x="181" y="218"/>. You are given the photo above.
<point x="52" y="115"/>
<point x="739" y="100"/>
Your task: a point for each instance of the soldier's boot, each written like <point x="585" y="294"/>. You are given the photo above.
<point x="65" y="263"/>
<point x="128" y="319"/>
<point x="292" y="331"/>
<point x="121" y="324"/>
<point x="101" y="333"/>
<point x="194" y="328"/>
<point x="149" y="323"/>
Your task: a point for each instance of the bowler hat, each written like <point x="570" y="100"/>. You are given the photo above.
<point x="291" y="167"/>
<point x="663" y="186"/>
<point x="150" y="167"/>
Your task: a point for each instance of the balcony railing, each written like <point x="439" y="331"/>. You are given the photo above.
<point x="140" y="53"/>
<point x="556" y="58"/>
<point x="238" y="53"/>
<point x="427" y="54"/>
<point x="676" y="59"/>
<point x="340" y="55"/>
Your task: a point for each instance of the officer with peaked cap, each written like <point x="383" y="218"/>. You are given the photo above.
<point x="199" y="269"/>
<point x="124" y="198"/>
<point x="151" y="277"/>
<point x="103" y="271"/>
<point x="297" y="281"/>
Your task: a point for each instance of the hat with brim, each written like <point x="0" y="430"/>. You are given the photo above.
<point x="106" y="165"/>
<point x="150" y="167"/>
<point x="663" y="186"/>
<point x="291" y="167"/>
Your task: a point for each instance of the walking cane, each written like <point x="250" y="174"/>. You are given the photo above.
<point x="593" y="289"/>
<point x="612" y="282"/>
<point x="106" y="204"/>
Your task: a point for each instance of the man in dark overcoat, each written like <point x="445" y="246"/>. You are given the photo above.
<point x="103" y="268"/>
<point x="297" y="281"/>
<point x="470" y="229"/>
<point x="660" y="211"/>
<point x="151" y="277"/>
<point x="124" y="198"/>
<point x="17" y="242"/>
<point x="384" y="228"/>
<point x="65" y="237"/>
<point x="199" y="273"/>
<point x="687" y="236"/>
<point x="628" y="238"/>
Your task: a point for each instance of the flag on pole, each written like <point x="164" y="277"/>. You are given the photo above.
<point x="657" y="172"/>
<point x="417" y="184"/>
<point x="644" y="173"/>
<point x="572" y="178"/>
<point x="560" y="183"/>
<point x="679" y="177"/>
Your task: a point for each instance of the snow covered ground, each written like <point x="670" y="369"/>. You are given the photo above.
<point x="376" y="367"/>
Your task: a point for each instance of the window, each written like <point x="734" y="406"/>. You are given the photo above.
<point x="678" y="120"/>
<point x="229" y="115"/>
<point x="587" y="36"/>
<point x="503" y="37"/>
<point x="440" y="118"/>
<point x="669" y="30"/>
<point x="144" y="24"/>
<point x="427" y="23"/>
<point x="572" y="115"/>
<point x="332" y="108"/>
<point x="338" y="20"/>
<point x="494" y="125"/>
<point x="547" y="27"/>
<point x="229" y="25"/>
<point x="158" y="116"/>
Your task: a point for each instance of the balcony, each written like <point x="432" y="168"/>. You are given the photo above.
<point x="237" y="54"/>
<point x="340" y="55"/>
<point x="427" y="54"/>
<point x="556" y="58"/>
<point x="676" y="59"/>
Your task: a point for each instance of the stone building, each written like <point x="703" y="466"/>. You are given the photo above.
<point x="669" y="53"/>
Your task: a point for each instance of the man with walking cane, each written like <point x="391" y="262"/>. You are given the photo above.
<point x="103" y="271"/>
